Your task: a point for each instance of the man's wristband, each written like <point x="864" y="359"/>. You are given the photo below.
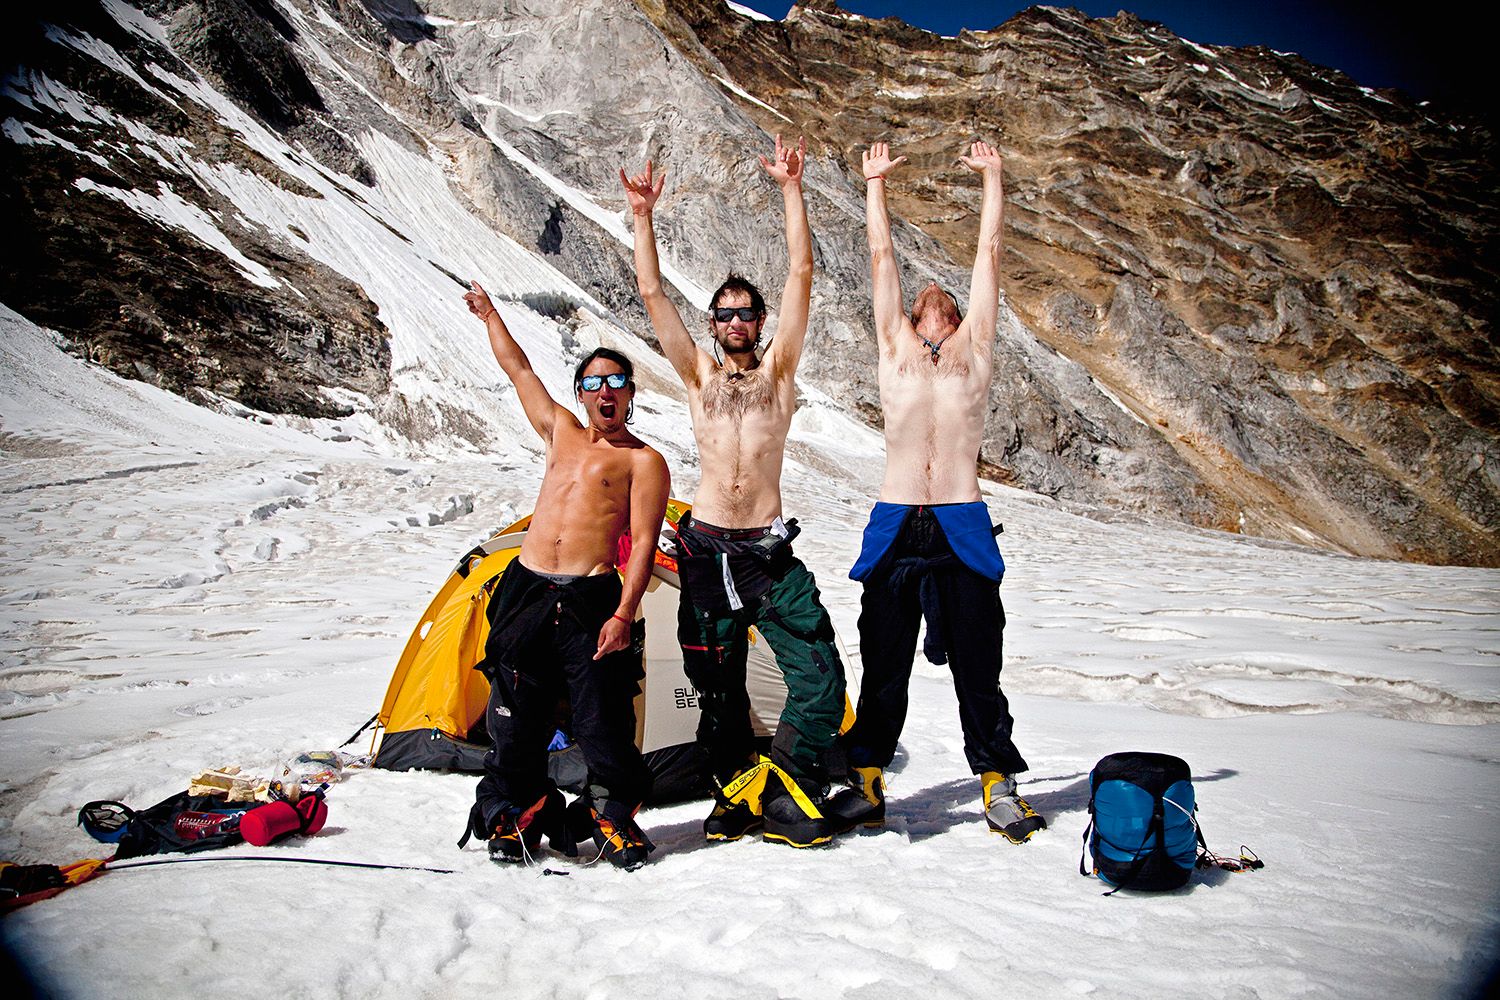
<point x="622" y="618"/>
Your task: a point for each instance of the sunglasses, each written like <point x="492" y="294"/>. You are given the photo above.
<point x="593" y="383"/>
<point x="724" y="314"/>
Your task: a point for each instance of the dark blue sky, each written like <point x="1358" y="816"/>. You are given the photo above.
<point x="1430" y="52"/>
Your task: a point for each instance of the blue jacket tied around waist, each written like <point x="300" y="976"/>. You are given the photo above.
<point x="966" y="526"/>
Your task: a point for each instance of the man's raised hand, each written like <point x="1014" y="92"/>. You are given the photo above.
<point x="640" y="191"/>
<point x="877" y="161"/>
<point x="478" y="301"/>
<point x="786" y="165"/>
<point x="982" y="156"/>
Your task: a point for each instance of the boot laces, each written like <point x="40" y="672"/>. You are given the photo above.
<point x="617" y="839"/>
<point x="513" y="829"/>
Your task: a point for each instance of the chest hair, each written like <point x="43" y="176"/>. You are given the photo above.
<point x="920" y="365"/>
<point x="732" y="397"/>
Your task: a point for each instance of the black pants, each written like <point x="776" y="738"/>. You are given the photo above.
<point x="541" y="647"/>
<point x="970" y="623"/>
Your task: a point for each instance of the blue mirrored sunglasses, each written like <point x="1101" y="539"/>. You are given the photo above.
<point x="593" y="383"/>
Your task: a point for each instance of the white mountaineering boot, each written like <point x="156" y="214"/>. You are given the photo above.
<point x="1006" y="812"/>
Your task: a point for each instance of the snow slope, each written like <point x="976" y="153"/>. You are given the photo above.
<point x="184" y="589"/>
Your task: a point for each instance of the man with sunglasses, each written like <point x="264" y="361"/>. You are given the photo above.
<point x="737" y="567"/>
<point x="563" y="621"/>
<point x="928" y="548"/>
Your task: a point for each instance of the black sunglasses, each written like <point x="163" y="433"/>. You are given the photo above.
<point x="747" y="314"/>
<point x="593" y="383"/>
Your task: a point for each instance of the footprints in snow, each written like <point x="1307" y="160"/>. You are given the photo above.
<point x="1149" y="633"/>
<point x="1198" y="665"/>
<point x="1251" y="687"/>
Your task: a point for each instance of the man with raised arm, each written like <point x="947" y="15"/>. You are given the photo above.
<point x="562" y="621"/>
<point x="735" y="556"/>
<point x="929" y="548"/>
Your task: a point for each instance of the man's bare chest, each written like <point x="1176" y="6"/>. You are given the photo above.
<point x="734" y="396"/>
<point x="590" y="466"/>
<point x="922" y="363"/>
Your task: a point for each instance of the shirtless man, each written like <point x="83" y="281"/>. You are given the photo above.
<point x="928" y="547"/>
<point x="562" y="621"/>
<point x="735" y="556"/>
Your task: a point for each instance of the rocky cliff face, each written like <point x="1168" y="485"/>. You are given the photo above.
<point x="1239" y="290"/>
<point x="267" y="324"/>
<point x="1288" y="278"/>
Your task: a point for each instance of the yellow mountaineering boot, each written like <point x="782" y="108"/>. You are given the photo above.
<point x="1006" y="812"/>
<point x="792" y="810"/>
<point x="861" y="804"/>
<point x="737" y="805"/>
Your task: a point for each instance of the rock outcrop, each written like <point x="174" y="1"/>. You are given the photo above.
<point x="267" y="325"/>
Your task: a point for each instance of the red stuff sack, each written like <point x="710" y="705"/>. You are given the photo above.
<point x="273" y="821"/>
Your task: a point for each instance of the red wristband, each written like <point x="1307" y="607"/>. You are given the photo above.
<point x="621" y="618"/>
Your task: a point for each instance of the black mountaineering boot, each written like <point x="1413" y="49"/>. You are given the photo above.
<point x="620" y="841"/>
<point x="518" y="834"/>
<point x="730" y="820"/>
<point x="737" y="805"/>
<point x="792" y="811"/>
<point x="861" y="804"/>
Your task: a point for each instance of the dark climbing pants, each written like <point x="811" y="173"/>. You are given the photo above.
<point x="542" y="642"/>
<point x="970" y="621"/>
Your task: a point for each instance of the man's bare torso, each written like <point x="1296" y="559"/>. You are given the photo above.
<point x="934" y="418"/>
<point x="740" y="422"/>
<point x="583" y="506"/>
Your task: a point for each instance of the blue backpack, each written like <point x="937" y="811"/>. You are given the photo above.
<point x="1143" y="831"/>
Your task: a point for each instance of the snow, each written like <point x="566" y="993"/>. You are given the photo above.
<point x="171" y="211"/>
<point x="185" y="589"/>
<point x="1201" y="50"/>
<point x="104" y="53"/>
<point x="26" y="134"/>
<point x="904" y="93"/>
<point x="744" y="11"/>
<point x="611" y="222"/>
<point x="136" y="21"/>
<point x="742" y="92"/>
<point x="1120" y="403"/>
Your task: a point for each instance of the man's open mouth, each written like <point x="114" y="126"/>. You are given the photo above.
<point x="606" y="410"/>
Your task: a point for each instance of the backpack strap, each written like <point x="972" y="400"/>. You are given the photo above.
<point x="1083" y="852"/>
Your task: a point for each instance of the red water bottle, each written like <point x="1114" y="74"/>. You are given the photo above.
<point x="197" y="825"/>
